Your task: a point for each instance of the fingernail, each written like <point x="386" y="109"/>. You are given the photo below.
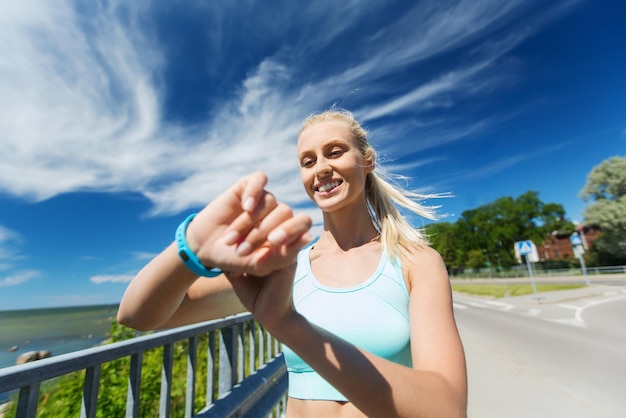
<point x="231" y="237"/>
<point x="244" y="249"/>
<point x="248" y="204"/>
<point x="277" y="236"/>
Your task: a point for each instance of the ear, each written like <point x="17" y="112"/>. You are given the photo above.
<point x="370" y="162"/>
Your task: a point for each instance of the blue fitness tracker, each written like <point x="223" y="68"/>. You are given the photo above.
<point x="191" y="261"/>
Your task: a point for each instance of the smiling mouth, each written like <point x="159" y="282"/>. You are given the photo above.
<point x="325" y="188"/>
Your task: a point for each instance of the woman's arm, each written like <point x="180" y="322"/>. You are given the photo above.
<point x="435" y="342"/>
<point x="434" y="387"/>
<point x="243" y="230"/>
<point x="166" y="294"/>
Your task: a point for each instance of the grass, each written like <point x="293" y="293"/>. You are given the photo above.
<point x="513" y="289"/>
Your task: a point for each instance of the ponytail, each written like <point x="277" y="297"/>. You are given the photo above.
<point x="396" y="233"/>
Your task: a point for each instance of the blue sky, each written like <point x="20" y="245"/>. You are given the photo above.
<point x="120" y="118"/>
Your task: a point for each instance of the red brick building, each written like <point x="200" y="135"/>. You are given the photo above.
<point x="558" y="245"/>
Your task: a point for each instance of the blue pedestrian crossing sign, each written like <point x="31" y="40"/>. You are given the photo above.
<point x="525" y="247"/>
<point x="576" y="240"/>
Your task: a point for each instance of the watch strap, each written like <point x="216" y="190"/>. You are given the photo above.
<point x="189" y="258"/>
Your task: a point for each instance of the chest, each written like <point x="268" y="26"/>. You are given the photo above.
<point x="372" y="314"/>
<point x="346" y="269"/>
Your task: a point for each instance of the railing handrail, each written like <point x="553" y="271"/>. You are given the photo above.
<point x="14" y="377"/>
<point x="27" y="377"/>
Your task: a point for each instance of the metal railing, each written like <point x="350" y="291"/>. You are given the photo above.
<point x="246" y="374"/>
<point x="522" y="271"/>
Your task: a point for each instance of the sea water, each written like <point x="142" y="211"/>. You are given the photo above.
<point x="59" y="330"/>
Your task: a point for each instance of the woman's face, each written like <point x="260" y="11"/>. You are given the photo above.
<point x="332" y="169"/>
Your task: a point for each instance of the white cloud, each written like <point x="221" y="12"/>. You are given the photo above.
<point x="9" y="241"/>
<point x="111" y="278"/>
<point x="7" y="235"/>
<point x="143" y="255"/>
<point x="81" y="110"/>
<point x="425" y="93"/>
<point x="18" y="278"/>
<point x="82" y="96"/>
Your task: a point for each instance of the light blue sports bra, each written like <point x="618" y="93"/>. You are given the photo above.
<point x="373" y="315"/>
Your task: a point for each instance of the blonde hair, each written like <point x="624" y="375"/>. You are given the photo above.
<point x="382" y="194"/>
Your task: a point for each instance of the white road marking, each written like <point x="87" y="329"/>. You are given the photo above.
<point x="501" y="305"/>
<point x="571" y="321"/>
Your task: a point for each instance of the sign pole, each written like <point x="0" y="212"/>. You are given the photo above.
<point x="584" y="267"/>
<point x="579" y="250"/>
<point x="527" y="248"/>
<point x="532" y="278"/>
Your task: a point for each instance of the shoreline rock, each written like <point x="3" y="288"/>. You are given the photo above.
<point x="32" y="356"/>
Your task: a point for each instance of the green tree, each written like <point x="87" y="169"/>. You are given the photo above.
<point x="476" y="259"/>
<point x="606" y="188"/>
<point x="442" y="237"/>
<point x="488" y="233"/>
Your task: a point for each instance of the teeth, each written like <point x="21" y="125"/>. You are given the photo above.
<point x="328" y="186"/>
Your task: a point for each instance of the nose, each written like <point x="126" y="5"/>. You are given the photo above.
<point x="322" y="168"/>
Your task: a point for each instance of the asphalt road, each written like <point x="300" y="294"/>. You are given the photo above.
<point x="562" y="354"/>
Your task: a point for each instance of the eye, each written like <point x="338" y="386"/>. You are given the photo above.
<point x="307" y="162"/>
<point x="335" y="152"/>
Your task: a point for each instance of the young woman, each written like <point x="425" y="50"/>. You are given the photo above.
<point x="365" y="314"/>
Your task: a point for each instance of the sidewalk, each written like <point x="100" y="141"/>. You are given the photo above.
<point x="560" y="296"/>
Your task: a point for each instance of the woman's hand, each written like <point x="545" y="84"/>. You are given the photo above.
<point x="245" y="230"/>
<point x="255" y="240"/>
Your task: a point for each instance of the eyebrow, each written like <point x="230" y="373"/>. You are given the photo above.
<point x="331" y="143"/>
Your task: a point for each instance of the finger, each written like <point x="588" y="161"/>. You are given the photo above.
<point x="295" y="246"/>
<point x="246" y="221"/>
<point x="290" y="230"/>
<point x="253" y="190"/>
<point x="267" y="259"/>
<point x="258" y="235"/>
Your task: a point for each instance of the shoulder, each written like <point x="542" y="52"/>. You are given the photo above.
<point x="421" y="257"/>
<point x="423" y="265"/>
<point x="422" y="252"/>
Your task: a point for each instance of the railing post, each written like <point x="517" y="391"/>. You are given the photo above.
<point x="210" y="375"/>
<point x="166" y="380"/>
<point x="239" y="352"/>
<point x="28" y="400"/>
<point x="272" y="350"/>
<point x="266" y="346"/>
<point x="228" y="359"/>
<point x="251" y="348"/>
<point x="90" y="392"/>
<point x="134" y="384"/>
<point x="190" y="393"/>
<point x="225" y="381"/>
<point x="258" y="330"/>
